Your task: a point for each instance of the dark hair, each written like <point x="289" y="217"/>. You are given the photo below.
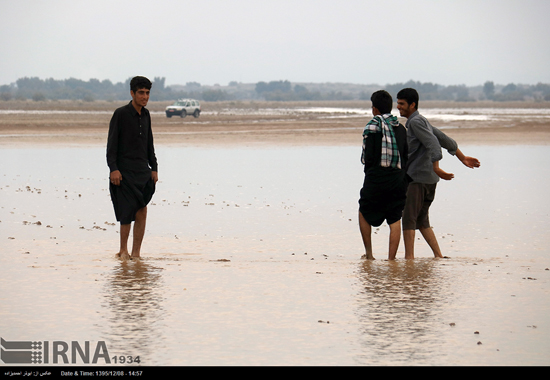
<point x="382" y="100"/>
<point x="140" y="82"/>
<point x="410" y="95"/>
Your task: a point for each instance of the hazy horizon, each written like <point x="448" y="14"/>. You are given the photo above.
<point x="293" y="83"/>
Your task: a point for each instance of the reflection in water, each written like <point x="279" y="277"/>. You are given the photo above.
<point x="398" y="307"/>
<point x="134" y="297"/>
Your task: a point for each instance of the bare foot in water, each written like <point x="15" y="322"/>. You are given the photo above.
<point x="123" y="255"/>
<point x="368" y="257"/>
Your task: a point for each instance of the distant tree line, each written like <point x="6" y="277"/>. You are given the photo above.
<point x="282" y="90"/>
<point x="461" y="93"/>
<point x="77" y="89"/>
<point x="511" y="92"/>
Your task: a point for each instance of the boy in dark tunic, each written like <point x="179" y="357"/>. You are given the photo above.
<point x="133" y="165"/>
<point x="385" y="186"/>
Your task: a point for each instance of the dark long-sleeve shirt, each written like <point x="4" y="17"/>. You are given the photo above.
<point x="130" y="141"/>
<point x="373" y="150"/>
<point x="383" y="182"/>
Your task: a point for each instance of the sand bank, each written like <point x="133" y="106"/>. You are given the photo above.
<point x="269" y="123"/>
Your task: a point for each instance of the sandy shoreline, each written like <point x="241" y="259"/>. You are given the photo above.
<point x="77" y="123"/>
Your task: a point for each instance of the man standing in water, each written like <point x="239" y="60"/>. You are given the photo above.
<point x="423" y="169"/>
<point x="133" y="165"/>
<point x="384" y="189"/>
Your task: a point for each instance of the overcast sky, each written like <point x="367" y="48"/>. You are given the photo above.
<point x="218" y="41"/>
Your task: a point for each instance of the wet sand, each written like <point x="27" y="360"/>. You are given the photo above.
<point x="258" y="123"/>
<point x="252" y="250"/>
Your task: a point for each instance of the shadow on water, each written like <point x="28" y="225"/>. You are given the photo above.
<point x="134" y="299"/>
<point x="399" y="305"/>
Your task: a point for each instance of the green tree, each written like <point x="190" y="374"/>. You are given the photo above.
<point x="489" y="89"/>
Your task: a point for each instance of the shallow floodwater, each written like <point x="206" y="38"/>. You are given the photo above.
<point x="252" y="257"/>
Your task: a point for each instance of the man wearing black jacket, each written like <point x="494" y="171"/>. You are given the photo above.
<point x="385" y="186"/>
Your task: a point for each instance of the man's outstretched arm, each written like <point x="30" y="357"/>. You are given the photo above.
<point x="452" y="147"/>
